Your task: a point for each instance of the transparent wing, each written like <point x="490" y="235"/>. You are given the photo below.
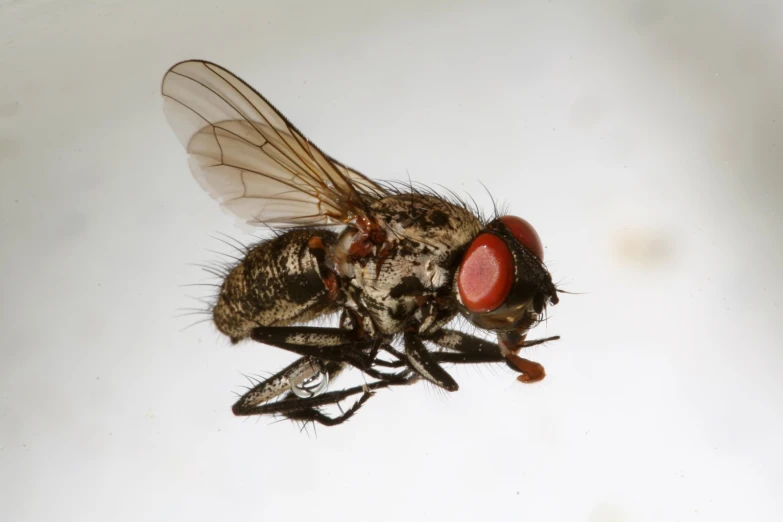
<point x="251" y="159"/>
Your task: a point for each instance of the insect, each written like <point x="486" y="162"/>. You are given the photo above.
<point x="397" y="263"/>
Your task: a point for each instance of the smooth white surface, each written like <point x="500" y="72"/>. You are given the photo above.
<point x="643" y="140"/>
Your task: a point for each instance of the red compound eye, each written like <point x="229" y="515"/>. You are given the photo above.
<point x="486" y="274"/>
<point x="525" y="234"/>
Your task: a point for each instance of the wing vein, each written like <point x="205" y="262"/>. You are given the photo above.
<point x="307" y="146"/>
<point x="242" y="138"/>
<point x="259" y="113"/>
<point x="250" y="122"/>
<point x="252" y="159"/>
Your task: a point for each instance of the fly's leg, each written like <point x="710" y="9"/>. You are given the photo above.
<point x="283" y="381"/>
<point x="296" y="408"/>
<point x="446" y="357"/>
<point x="289" y="406"/>
<point x="326" y="350"/>
<point x="328" y="344"/>
<point x="475" y="350"/>
<point x="422" y="362"/>
<point x="313" y="414"/>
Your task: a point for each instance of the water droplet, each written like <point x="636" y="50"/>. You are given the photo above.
<point x="312" y="386"/>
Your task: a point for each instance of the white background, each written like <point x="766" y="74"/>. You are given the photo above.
<point x="643" y="139"/>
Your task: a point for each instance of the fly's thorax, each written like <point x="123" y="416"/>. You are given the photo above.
<point x="280" y="281"/>
<point x="424" y="233"/>
<point x="415" y="263"/>
<point x="427" y="219"/>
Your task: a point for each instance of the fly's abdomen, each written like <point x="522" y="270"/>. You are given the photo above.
<point x="280" y="281"/>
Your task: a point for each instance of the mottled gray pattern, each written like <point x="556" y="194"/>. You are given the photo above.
<point x="278" y="283"/>
<point x="424" y="234"/>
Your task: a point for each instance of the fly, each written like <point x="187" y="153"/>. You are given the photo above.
<point x="397" y="264"/>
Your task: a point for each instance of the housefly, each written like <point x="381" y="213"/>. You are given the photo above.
<point x="397" y="263"/>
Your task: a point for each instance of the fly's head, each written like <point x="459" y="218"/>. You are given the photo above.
<point x="502" y="283"/>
